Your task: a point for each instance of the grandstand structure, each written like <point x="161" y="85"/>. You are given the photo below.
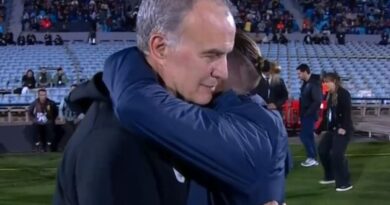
<point x="363" y="65"/>
<point x="364" y="68"/>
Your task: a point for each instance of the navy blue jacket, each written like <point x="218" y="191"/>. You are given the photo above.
<point x="104" y="164"/>
<point x="311" y="97"/>
<point x="239" y="146"/>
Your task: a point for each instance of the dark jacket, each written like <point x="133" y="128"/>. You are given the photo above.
<point x="340" y="114"/>
<point x="239" y="146"/>
<point x="311" y="97"/>
<point x="278" y="92"/>
<point x="37" y="110"/>
<point x="104" y="164"/>
<point x="28" y="82"/>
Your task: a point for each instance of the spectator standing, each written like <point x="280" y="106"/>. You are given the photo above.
<point x="271" y="87"/>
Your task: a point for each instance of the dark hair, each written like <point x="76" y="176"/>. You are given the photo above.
<point x="59" y="68"/>
<point x="30" y="70"/>
<point x="248" y="47"/>
<point x="74" y="85"/>
<point x="243" y="64"/>
<point x="304" y="68"/>
<point x="266" y="67"/>
<point x="42" y="90"/>
<point x="334" y="77"/>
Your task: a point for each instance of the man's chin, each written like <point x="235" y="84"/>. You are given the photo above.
<point x="202" y="100"/>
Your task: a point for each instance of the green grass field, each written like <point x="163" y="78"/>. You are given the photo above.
<point x="30" y="179"/>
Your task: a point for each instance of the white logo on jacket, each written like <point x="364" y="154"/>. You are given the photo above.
<point x="180" y="178"/>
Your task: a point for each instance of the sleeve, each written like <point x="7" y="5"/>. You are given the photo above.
<point x="34" y="85"/>
<point x="54" y="79"/>
<point x="345" y="106"/>
<point x="218" y="144"/>
<point x="316" y="95"/>
<point x="55" y="110"/>
<point x="224" y="146"/>
<point x="65" y="79"/>
<point x="94" y="186"/>
<point x="24" y="83"/>
<point x="49" y="78"/>
<point x="61" y="111"/>
<point x="283" y="96"/>
<point x="31" y="110"/>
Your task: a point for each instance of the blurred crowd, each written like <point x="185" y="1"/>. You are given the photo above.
<point x="30" y="39"/>
<point x="102" y="15"/>
<point x="2" y="16"/>
<point x="346" y="16"/>
<point x="116" y="15"/>
<point x="268" y="16"/>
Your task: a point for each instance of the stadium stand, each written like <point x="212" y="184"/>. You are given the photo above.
<point x="352" y="17"/>
<point x="362" y="63"/>
<point x="266" y="16"/>
<point x="252" y="15"/>
<point x="61" y="15"/>
<point x="364" y="67"/>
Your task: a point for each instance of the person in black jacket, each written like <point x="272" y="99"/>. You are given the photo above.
<point x="271" y="87"/>
<point x="28" y="80"/>
<point x="48" y="39"/>
<point x="105" y="164"/>
<point x="58" y="41"/>
<point x="310" y="102"/>
<point x="21" y="40"/>
<point x="43" y="113"/>
<point x="124" y="159"/>
<point x="339" y="130"/>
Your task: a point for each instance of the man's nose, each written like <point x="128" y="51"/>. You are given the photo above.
<point x="219" y="70"/>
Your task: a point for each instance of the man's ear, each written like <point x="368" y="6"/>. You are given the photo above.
<point x="158" y="45"/>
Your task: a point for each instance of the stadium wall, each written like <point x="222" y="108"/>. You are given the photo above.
<point x="18" y="139"/>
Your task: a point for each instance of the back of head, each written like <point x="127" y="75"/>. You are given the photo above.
<point x="243" y="64"/>
<point x="333" y="77"/>
<point x="270" y="67"/>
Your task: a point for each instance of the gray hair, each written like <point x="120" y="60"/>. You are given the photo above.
<point x="162" y="16"/>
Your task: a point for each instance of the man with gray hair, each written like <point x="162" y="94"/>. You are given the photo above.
<point x="158" y="88"/>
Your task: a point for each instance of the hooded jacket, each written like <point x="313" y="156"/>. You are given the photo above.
<point x="311" y="97"/>
<point x="104" y="164"/>
<point x="239" y="146"/>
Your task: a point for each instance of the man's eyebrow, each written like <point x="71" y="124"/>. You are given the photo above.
<point x="213" y="51"/>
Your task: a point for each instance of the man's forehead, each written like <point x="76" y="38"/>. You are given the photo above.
<point x="210" y="34"/>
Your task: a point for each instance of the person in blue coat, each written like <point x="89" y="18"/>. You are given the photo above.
<point x="238" y="146"/>
<point x="244" y="75"/>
